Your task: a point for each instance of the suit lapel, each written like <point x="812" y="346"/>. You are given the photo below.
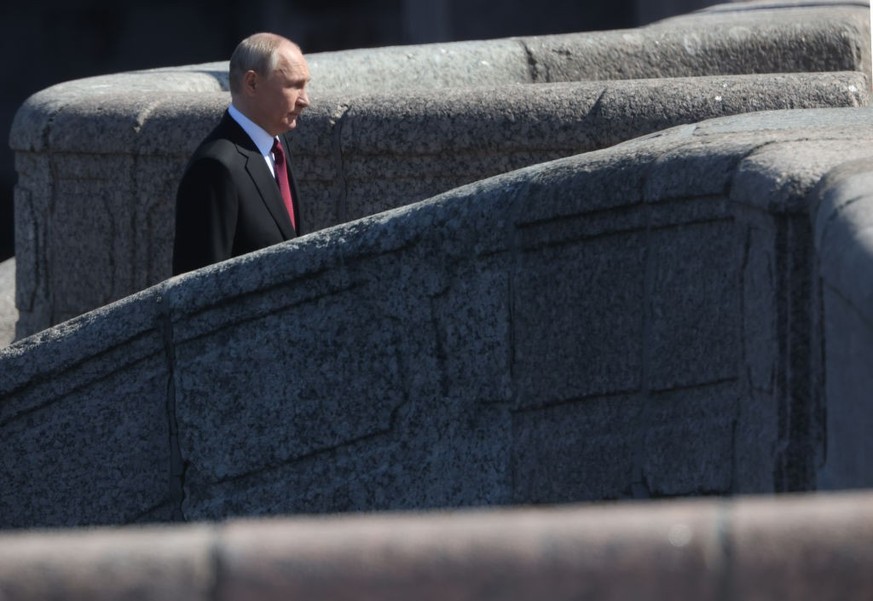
<point x="257" y="170"/>
<point x="266" y="185"/>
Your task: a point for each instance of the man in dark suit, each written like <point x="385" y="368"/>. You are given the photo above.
<point x="238" y="193"/>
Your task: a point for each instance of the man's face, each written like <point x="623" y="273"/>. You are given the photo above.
<point x="278" y="98"/>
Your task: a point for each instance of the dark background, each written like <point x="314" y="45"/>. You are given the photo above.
<point x="45" y="42"/>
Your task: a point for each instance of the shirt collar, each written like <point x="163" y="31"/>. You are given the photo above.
<point x="262" y="139"/>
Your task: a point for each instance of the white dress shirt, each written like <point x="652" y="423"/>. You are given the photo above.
<point x="262" y="139"/>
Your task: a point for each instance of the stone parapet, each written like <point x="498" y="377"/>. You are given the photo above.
<point x="658" y="318"/>
<point x="98" y="160"/>
<point x="729" y="39"/>
<point x="803" y="548"/>
<point x="844" y="243"/>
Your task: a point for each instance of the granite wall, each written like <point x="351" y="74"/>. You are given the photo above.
<point x="669" y="316"/>
<point x="98" y="159"/>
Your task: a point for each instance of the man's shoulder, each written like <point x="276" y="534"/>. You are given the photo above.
<point x="214" y="160"/>
<point x="219" y="149"/>
<point x="224" y="143"/>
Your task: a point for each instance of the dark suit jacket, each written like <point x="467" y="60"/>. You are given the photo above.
<point x="228" y="203"/>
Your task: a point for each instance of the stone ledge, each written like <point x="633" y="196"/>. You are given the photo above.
<point x="424" y="371"/>
<point x="802" y="548"/>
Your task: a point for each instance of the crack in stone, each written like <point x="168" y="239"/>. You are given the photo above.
<point x="342" y="209"/>
<point x="51" y="377"/>
<point x="177" y="467"/>
<point x="315" y="453"/>
<point x="532" y="64"/>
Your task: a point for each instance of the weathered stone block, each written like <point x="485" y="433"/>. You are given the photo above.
<point x="689" y="441"/>
<point x="113" y="458"/>
<point x="249" y="428"/>
<point x="583" y="450"/>
<point x="91" y="420"/>
<point x="694" y="301"/>
<point x="438" y="453"/>
<point x="577" y="323"/>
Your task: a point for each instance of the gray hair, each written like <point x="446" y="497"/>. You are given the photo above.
<point x="255" y="53"/>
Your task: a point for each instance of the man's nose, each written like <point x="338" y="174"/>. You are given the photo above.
<point x="303" y="99"/>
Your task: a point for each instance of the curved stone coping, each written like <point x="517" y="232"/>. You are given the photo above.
<point x="728" y="39"/>
<point x="766" y="5"/>
<point x="844" y="240"/>
<point x="804" y="548"/>
<point x="843" y="229"/>
<point x="799" y="37"/>
<point x="354" y="157"/>
<point x="566" y="117"/>
<point x="420" y="357"/>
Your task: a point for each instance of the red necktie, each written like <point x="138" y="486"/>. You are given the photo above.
<point x="282" y="180"/>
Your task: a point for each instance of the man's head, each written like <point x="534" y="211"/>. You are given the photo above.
<point x="268" y="78"/>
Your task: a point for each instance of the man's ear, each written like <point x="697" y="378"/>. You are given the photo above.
<point x="250" y="82"/>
